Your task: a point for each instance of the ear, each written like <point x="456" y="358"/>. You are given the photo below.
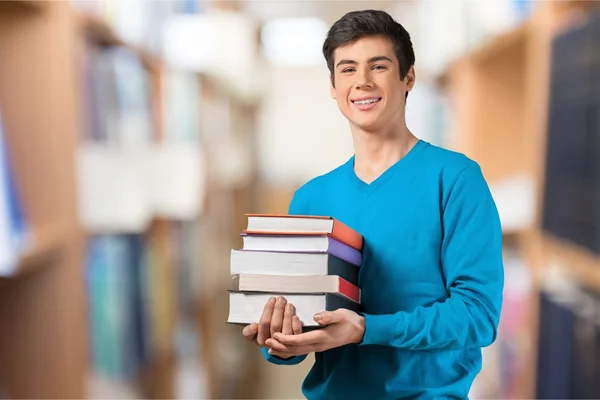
<point x="332" y="87"/>
<point x="410" y="78"/>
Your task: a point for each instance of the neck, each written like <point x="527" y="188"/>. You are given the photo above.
<point x="376" y="151"/>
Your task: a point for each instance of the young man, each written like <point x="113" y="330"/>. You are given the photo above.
<point x="432" y="274"/>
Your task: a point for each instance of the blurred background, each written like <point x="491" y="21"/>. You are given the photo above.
<point x="135" y="135"/>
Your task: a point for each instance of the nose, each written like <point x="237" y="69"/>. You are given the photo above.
<point x="363" y="79"/>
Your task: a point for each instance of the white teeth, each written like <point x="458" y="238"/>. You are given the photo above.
<point x="367" y="101"/>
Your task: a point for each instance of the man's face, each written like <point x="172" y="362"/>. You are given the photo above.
<point x="368" y="88"/>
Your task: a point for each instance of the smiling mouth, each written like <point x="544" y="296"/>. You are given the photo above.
<point x="365" y="102"/>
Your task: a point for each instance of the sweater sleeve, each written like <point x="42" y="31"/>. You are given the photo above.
<point x="298" y="206"/>
<point x="471" y="258"/>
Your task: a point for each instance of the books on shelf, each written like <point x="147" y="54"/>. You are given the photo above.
<point x="116" y="93"/>
<point x="313" y="261"/>
<point x="127" y="172"/>
<point x="129" y="283"/>
<point x="568" y="348"/>
<point x="571" y="190"/>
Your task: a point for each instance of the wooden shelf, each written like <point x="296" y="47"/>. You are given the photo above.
<point x="44" y="343"/>
<point x="42" y="309"/>
<point x="505" y="43"/>
<point x="157" y="378"/>
<point x="575" y="5"/>
<point x="492" y="128"/>
<point x="491" y="51"/>
<point x="48" y="239"/>
<point x="35" y="6"/>
<point x="47" y="242"/>
<point x="101" y="32"/>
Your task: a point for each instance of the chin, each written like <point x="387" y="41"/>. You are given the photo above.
<point x="367" y="125"/>
<point x="364" y="122"/>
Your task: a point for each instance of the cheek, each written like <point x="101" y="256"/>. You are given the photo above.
<point x="341" y="95"/>
<point x="394" y="90"/>
<point x="343" y="106"/>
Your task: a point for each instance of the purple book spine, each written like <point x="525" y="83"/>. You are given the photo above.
<point x="344" y="252"/>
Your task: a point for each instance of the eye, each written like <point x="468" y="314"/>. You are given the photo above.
<point x="349" y="69"/>
<point x="379" y="67"/>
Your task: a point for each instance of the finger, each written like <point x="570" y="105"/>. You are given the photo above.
<point x="296" y="325"/>
<point x="264" y="325"/>
<point x="329" y="317"/>
<point x="250" y="331"/>
<point x="294" y="351"/>
<point x="277" y="317"/>
<point x="287" y="319"/>
<point x="303" y="339"/>
<point x="278" y="346"/>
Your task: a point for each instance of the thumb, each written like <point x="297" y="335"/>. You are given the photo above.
<point x="329" y="317"/>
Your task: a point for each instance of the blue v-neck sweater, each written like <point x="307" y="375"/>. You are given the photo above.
<point x="431" y="279"/>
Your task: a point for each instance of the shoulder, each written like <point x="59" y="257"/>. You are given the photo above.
<point x="456" y="174"/>
<point x="325" y="180"/>
<point x="447" y="162"/>
<point x="312" y="190"/>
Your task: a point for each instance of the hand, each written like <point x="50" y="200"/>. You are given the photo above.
<point x="278" y="317"/>
<point x="342" y="327"/>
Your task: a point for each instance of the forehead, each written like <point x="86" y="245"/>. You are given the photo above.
<point x="365" y="48"/>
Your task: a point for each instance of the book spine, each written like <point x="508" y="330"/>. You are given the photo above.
<point x="347" y="235"/>
<point x="340" y="286"/>
<point x="335" y="302"/>
<point x="344" y="252"/>
<point x="343" y="269"/>
<point x="349" y="290"/>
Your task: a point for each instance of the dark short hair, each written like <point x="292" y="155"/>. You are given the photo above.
<point x="359" y="24"/>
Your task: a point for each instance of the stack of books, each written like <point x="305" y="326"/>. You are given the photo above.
<point x="312" y="261"/>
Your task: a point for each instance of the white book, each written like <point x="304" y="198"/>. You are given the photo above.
<point x="282" y="263"/>
<point x="246" y="308"/>
<point x="316" y="284"/>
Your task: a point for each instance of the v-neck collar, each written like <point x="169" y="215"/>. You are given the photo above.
<point x="385" y="175"/>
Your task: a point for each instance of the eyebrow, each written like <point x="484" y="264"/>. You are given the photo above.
<point x="370" y="60"/>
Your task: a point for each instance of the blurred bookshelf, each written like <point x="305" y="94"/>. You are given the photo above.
<point x="134" y="261"/>
<point x="56" y="309"/>
<point x="500" y="95"/>
<point x="200" y="127"/>
<point x="232" y="364"/>
<point x="43" y="340"/>
<point x="98" y="30"/>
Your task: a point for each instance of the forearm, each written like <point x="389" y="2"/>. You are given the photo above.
<point x="456" y="323"/>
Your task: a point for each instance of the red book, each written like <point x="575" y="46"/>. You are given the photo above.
<point x="286" y="224"/>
